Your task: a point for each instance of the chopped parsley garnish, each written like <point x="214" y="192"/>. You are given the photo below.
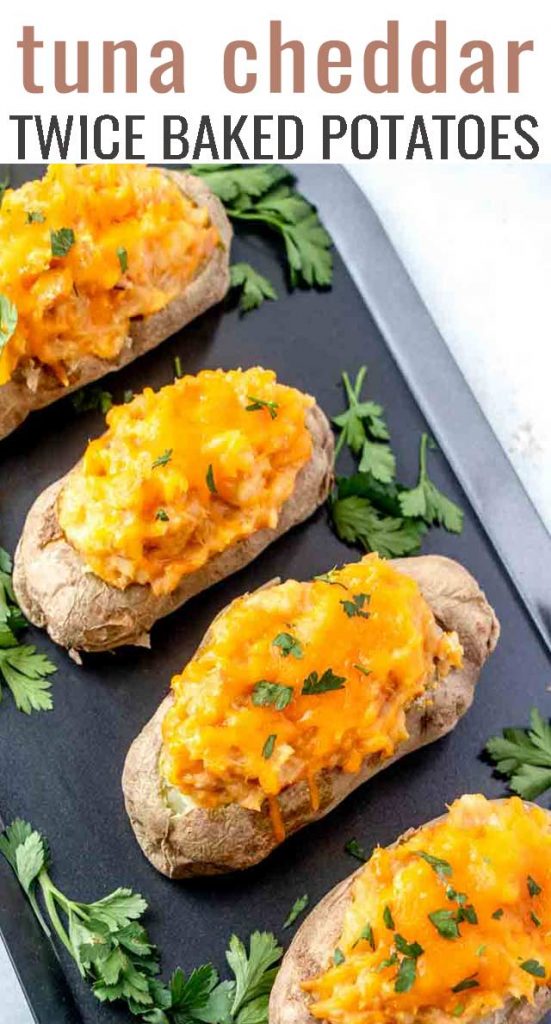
<point x="163" y="459"/>
<point x="445" y="922"/>
<point x="355" y="607"/>
<point x="524" y="756"/>
<point x="256" y="404"/>
<point x="92" y="399"/>
<point x="35" y="217"/>
<point x="268" y="748"/>
<point x="338" y="956"/>
<point x="329" y="577"/>
<point x="535" y="919"/>
<point x="122" y="257"/>
<point x="274" y="694"/>
<point x="458" y="1010"/>
<point x="8" y="320"/>
<point x="533" y="888"/>
<point x="162" y="515"/>
<point x="354" y="848"/>
<point x="210" y="480"/>
<point x="288" y="645"/>
<point x="457" y="897"/>
<point x="360" y="420"/>
<point x="407" y="972"/>
<point x="254" y="287"/>
<point x="480" y="950"/>
<point x="322" y="684"/>
<point x="533" y="967"/>
<point x="299" y="905"/>
<point x="388" y="919"/>
<point x="62" y="241"/>
<point x="364" y="671"/>
<point x="466" y="983"/>
<point x="178" y="370"/>
<point x="411" y="949"/>
<point x="497" y="914"/>
<point x="367" y="934"/>
<point x="442" y="868"/>
<point x="127" y="396"/>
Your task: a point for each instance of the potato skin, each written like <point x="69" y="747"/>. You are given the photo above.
<point x="35" y="388"/>
<point x="230" y="838"/>
<point x="317" y="937"/>
<point x="84" y="613"/>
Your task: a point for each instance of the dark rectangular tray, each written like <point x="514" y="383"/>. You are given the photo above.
<point x="62" y="770"/>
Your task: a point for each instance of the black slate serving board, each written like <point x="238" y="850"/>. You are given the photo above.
<point x="62" y="770"/>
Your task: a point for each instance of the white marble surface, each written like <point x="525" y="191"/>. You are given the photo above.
<point x="477" y="243"/>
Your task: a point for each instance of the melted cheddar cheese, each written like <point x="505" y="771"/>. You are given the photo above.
<point x="492" y="873"/>
<point x="137" y="242"/>
<point x="326" y="669"/>
<point x="182" y="474"/>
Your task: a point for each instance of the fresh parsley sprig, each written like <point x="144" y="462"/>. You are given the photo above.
<point x="524" y="756"/>
<point x="370" y="507"/>
<point x="22" y="668"/>
<point x="114" y="953"/>
<point x="265" y="195"/>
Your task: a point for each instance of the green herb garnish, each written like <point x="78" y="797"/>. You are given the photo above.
<point x="296" y="910"/>
<point x="322" y="684"/>
<point x="288" y="645"/>
<point x="411" y="949"/>
<point x="163" y="459"/>
<point x="210" y="480"/>
<point x="466" y="983"/>
<point x="256" y="404"/>
<point x="442" y="868"/>
<point x="22" y="669"/>
<point x="535" y="919"/>
<point x="35" y="217"/>
<point x="338" y="956"/>
<point x="388" y="919"/>
<point x="122" y="257"/>
<point x="355" y="607"/>
<point x="367" y="934"/>
<point x="445" y="922"/>
<point x="62" y="241"/>
<point x="92" y="399"/>
<point x="524" y="756"/>
<point x="178" y="370"/>
<point x="533" y="967"/>
<point x="497" y="914"/>
<point x="426" y="502"/>
<point x="266" y="694"/>
<point x="268" y="748"/>
<point x="354" y="848"/>
<point x="162" y="515"/>
<point x="254" y="287"/>
<point x="533" y="888"/>
<point x="407" y="973"/>
<point x="8" y="320"/>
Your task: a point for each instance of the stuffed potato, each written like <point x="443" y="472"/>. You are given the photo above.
<point x="298" y="693"/>
<point x="99" y="264"/>
<point x="186" y="486"/>
<point x="451" y="922"/>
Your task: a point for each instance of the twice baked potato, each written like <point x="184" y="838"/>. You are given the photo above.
<point x="451" y="922"/>
<point x="186" y="486"/>
<point x="98" y="264"/>
<point x="298" y="693"/>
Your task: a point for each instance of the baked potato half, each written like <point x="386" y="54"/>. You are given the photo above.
<point x="92" y="295"/>
<point x="423" y="630"/>
<point x="453" y="926"/>
<point x="186" y="486"/>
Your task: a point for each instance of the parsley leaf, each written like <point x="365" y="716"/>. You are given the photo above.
<point x="338" y="956"/>
<point x="62" y="241"/>
<point x="122" y="257"/>
<point x="178" y="369"/>
<point x="92" y="399"/>
<point x="379" y="460"/>
<point x="240" y="184"/>
<point x="164" y="459"/>
<point x="322" y="684"/>
<point x="23" y="669"/>
<point x="355" y="607"/>
<point x="35" y="217"/>
<point x="388" y="919"/>
<point x="442" y="867"/>
<point x="533" y="967"/>
<point x="256" y="404"/>
<point x="533" y="888"/>
<point x="288" y="645"/>
<point x="524" y="755"/>
<point x="210" y="480"/>
<point x="8" y="320"/>
<point x="356" y="520"/>
<point x="268" y="748"/>
<point x="359" y="420"/>
<point x="407" y="972"/>
<point x="354" y="848"/>
<point x="162" y="515"/>
<point x="113" y="952"/>
<point x="266" y="694"/>
<point x="299" y="905"/>
<point x="445" y="922"/>
<point x="427" y="502"/>
<point x="466" y="983"/>
<point x="255" y="288"/>
<point x="368" y="935"/>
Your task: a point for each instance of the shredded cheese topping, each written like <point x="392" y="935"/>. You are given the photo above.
<point x="488" y="889"/>
<point x="327" y="668"/>
<point x="136" y="242"/>
<point x="182" y="474"/>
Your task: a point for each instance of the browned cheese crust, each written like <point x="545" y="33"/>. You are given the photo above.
<point x="83" y="613"/>
<point x="229" y="838"/>
<point x="33" y="387"/>
<point x="310" y="952"/>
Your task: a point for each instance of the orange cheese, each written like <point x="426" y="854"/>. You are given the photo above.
<point x="137" y="242"/>
<point x="182" y="474"/>
<point x="365" y="629"/>
<point x="495" y="863"/>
